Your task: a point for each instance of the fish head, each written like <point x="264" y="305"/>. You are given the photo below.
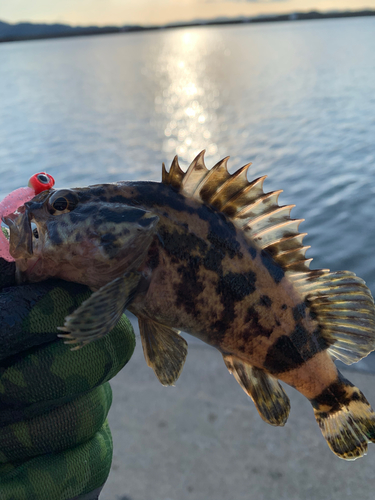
<point x="77" y="235"/>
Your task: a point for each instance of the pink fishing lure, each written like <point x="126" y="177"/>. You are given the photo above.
<point x="37" y="183"/>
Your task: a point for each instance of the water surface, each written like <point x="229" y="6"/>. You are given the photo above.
<point x="296" y="98"/>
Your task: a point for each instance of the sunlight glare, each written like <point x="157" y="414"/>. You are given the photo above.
<point x="188" y="96"/>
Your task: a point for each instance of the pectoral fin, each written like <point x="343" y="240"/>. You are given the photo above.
<point x="267" y="394"/>
<point x="99" y="314"/>
<point x="164" y="349"/>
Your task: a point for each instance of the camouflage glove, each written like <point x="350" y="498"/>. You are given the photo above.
<point x="55" y="443"/>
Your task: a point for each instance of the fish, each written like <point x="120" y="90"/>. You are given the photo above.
<point x="209" y="253"/>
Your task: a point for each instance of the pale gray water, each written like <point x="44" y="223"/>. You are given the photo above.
<point x="297" y="99"/>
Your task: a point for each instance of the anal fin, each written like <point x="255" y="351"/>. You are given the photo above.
<point x="267" y="394"/>
<point x="164" y="349"/>
<point x="97" y="315"/>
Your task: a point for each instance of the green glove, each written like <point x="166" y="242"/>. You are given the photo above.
<point x="55" y="443"/>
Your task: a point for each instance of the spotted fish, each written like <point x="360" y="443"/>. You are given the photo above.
<point x="209" y="253"/>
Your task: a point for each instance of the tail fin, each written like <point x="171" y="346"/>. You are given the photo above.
<point x="345" y="418"/>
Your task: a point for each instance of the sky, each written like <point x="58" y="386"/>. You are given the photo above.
<point x="124" y="12"/>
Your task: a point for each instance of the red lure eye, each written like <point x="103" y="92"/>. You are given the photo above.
<point x="41" y="182"/>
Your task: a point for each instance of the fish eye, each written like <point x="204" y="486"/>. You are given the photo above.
<point x="60" y="204"/>
<point x="62" y="201"/>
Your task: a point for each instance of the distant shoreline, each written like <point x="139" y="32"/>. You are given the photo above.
<point x="96" y="30"/>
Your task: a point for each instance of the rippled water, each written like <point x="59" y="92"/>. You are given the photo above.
<point x="297" y="99"/>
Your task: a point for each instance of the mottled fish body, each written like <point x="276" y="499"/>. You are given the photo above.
<point x="210" y="253"/>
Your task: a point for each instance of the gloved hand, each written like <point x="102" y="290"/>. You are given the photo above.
<point x="55" y="443"/>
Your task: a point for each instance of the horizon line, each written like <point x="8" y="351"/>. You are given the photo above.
<point x="196" y="20"/>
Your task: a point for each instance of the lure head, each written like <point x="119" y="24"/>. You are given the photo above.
<point x="79" y="235"/>
<point x="41" y="182"/>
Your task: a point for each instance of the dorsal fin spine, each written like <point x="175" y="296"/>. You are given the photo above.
<point x="271" y="234"/>
<point x="221" y="199"/>
<point x="174" y="176"/>
<point x="248" y="193"/>
<point x="164" y="175"/>
<point x="213" y="179"/>
<point x="287" y="243"/>
<point x="299" y="265"/>
<point x="232" y="183"/>
<point x="260" y="205"/>
<point x="207" y="176"/>
<point x="292" y="255"/>
<point x="265" y="220"/>
<point x="194" y="174"/>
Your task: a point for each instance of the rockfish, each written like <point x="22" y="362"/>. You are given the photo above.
<point x="211" y="254"/>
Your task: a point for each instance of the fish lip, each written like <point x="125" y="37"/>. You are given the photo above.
<point x="21" y="237"/>
<point x="9" y="220"/>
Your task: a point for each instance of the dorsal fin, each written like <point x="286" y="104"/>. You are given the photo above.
<point x="174" y="176"/>
<point x="340" y="302"/>
<point x="264" y="222"/>
<point x="344" y="309"/>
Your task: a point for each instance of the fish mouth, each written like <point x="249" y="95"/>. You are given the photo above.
<point x="21" y="234"/>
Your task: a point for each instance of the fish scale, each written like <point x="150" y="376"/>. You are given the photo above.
<point x="210" y="253"/>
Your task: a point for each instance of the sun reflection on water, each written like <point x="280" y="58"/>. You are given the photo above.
<point x="187" y="94"/>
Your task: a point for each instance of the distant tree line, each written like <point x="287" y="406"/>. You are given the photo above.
<point x="31" y="31"/>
